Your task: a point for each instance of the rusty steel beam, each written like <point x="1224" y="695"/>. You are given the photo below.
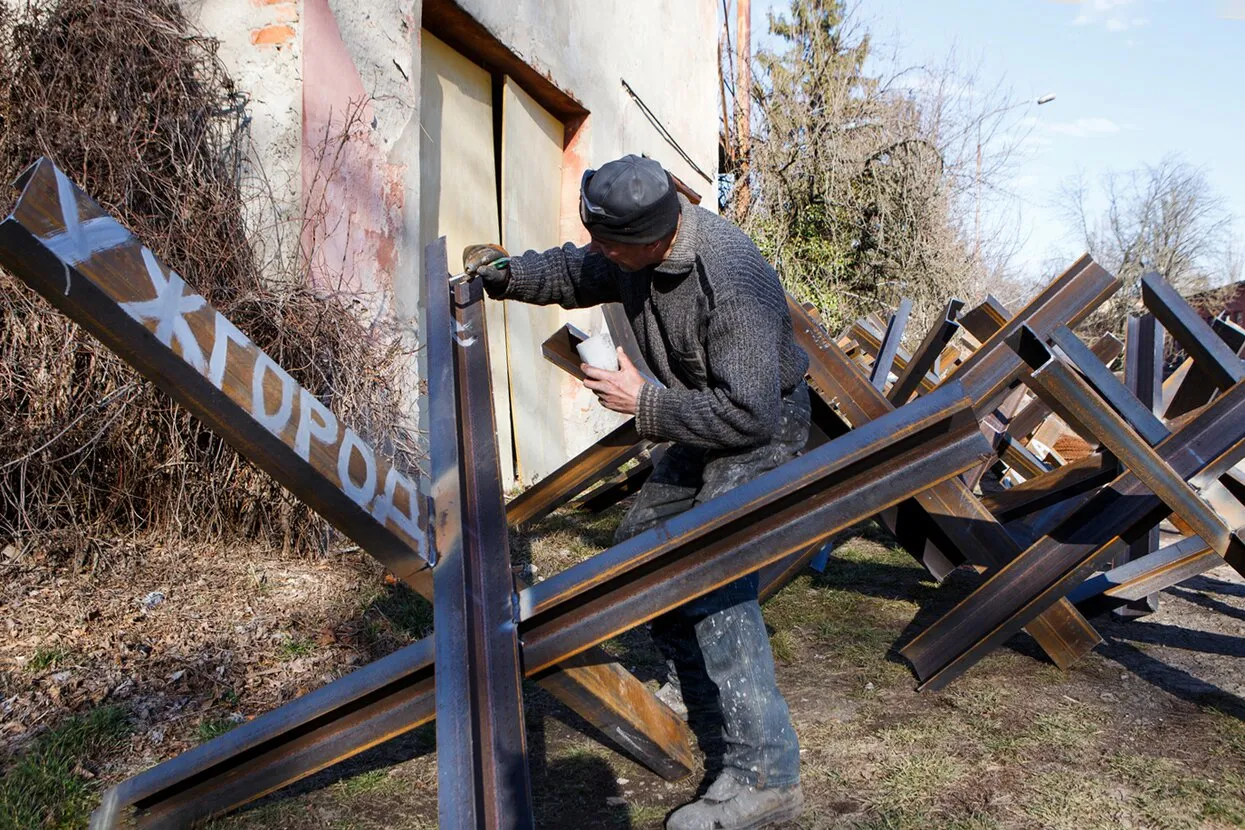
<point x="577" y="475"/>
<point x="926" y="354"/>
<point x="973" y="533"/>
<point x="1106" y="348"/>
<point x="1139" y="579"/>
<point x="767" y="519"/>
<point x="1209" y="352"/>
<point x="1064" y="389"/>
<point x="62" y="244"/>
<point x="983" y="320"/>
<point x="482" y="774"/>
<point x="890" y="344"/>
<point x="780" y="513"/>
<point x="1050" y="568"/>
<point x="615" y="489"/>
<point x="1189" y="387"/>
<point x="560" y="350"/>
<point x="1143" y="377"/>
<point x="992" y="369"/>
<point x="1140" y="416"/>
<point x="1034" y="508"/>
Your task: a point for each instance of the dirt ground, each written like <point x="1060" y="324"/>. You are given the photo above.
<point x="177" y="645"/>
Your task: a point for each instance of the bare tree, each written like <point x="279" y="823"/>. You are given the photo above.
<point x="1166" y="218"/>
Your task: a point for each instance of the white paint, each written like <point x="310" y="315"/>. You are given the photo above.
<point x="323" y="427"/>
<point x="352" y="443"/>
<point x="225" y="333"/>
<point x="275" y="422"/>
<point x="461" y="336"/>
<point x="169" y="310"/>
<point x="386" y="510"/>
<point x="81" y="240"/>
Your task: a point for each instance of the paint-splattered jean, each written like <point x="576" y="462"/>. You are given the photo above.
<point x="717" y="644"/>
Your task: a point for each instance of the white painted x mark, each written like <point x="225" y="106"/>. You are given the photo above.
<point x="81" y="240"/>
<point x="168" y="309"/>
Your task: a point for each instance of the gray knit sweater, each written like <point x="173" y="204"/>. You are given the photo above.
<point x="711" y="321"/>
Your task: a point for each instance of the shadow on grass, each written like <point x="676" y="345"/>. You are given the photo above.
<point x="1173" y="680"/>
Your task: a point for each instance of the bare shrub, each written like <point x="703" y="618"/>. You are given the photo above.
<point x="140" y="112"/>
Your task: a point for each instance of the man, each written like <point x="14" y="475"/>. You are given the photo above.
<point x="712" y="323"/>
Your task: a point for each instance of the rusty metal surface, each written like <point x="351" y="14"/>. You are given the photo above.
<point x="1209" y="352"/>
<point x="1106" y="348"/>
<point x="1055" y="564"/>
<point x="992" y="369"/>
<point x="559" y="349"/>
<point x="983" y="320"/>
<point x="890" y="345"/>
<point x="482" y="774"/>
<point x="923" y="359"/>
<point x="1065" y="389"/>
<point x="782" y="512"/>
<point x="1141" y="578"/>
<point x="1143" y="377"/>
<point x="970" y="532"/>
<point x="577" y="475"/>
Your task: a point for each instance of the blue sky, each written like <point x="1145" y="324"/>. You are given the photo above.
<point x="1135" y="80"/>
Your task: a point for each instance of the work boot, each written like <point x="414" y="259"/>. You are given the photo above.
<point x="730" y="804"/>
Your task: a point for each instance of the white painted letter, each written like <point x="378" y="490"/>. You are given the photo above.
<point x="385" y="508"/>
<point x="259" y="408"/>
<point x="324" y="427"/>
<point x="361" y="495"/>
<point x="225" y="331"/>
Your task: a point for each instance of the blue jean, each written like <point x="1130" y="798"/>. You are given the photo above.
<point x="717" y="643"/>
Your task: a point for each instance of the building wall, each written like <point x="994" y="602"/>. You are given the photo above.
<point x="335" y="88"/>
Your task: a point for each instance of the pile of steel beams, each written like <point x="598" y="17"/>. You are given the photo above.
<point x="959" y="447"/>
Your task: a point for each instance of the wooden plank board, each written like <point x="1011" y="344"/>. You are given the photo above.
<point x="531" y="191"/>
<point x="458" y="188"/>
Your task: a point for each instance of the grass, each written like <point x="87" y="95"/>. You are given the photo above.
<point x="294" y="648"/>
<point x="48" y="658"/>
<point x="210" y="728"/>
<point x="46" y="785"/>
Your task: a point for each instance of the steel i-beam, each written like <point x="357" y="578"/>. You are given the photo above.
<point x="787" y="510"/>
<point x="86" y="264"/>
<point x="940" y="334"/>
<point x="1065" y="388"/>
<point x="890" y="344"/>
<point x="973" y="533"/>
<point x="1050" y="568"/>
<point x="482" y="775"/>
<point x="992" y="369"/>
<point x="62" y="244"/>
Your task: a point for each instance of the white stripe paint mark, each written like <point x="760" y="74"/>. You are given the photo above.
<point x="81" y="240"/>
<point x="168" y="309"/>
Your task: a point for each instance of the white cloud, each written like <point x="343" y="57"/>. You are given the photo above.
<point x="1084" y="127"/>
<point x="1113" y="15"/>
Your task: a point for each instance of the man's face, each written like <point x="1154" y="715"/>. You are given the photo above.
<point x="627" y="256"/>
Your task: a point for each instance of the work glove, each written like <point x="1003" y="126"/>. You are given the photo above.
<point x="491" y="264"/>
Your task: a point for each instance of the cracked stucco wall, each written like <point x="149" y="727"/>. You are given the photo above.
<point x="334" y="108"/>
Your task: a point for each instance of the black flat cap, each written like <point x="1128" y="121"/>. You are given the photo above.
<point x="631" y="200"/>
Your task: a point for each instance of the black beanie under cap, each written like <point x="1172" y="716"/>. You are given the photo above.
<point x="632" y="200"/>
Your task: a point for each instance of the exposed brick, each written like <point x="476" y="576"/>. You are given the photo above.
<point x="272" y="35"/>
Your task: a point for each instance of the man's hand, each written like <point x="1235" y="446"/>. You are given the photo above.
<point x="619" y="391"/>
<point x="491" y="264"/>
